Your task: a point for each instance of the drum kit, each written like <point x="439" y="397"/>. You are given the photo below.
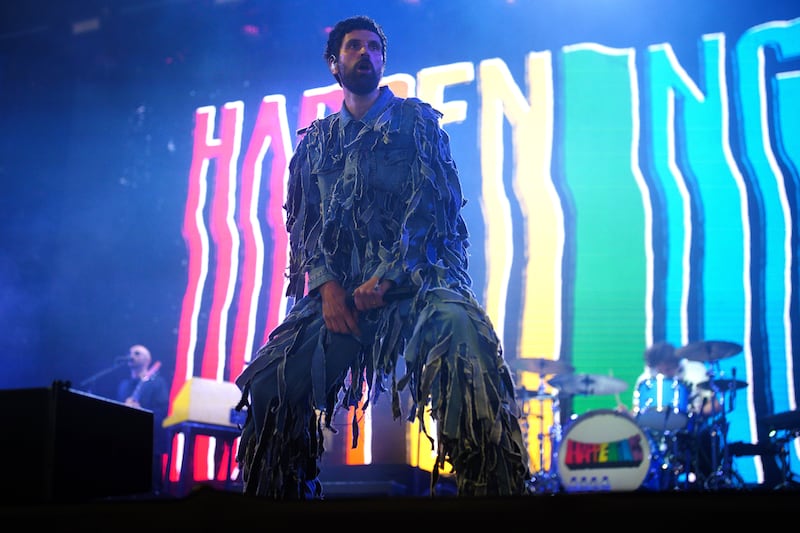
<point x="653" y="448"/>
<point x="711" y="430"/>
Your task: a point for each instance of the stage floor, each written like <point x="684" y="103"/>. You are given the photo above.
<point x="396" y="495"/>
<point x="210" y="509"/>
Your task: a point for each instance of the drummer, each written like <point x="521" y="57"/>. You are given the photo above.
<point x="661" y="358"/>
<point x="694" y="438"/>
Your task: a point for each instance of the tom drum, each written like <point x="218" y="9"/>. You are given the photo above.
<point x="661" y="404"/>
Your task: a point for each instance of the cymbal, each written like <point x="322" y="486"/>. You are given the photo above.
<point x="588" y="384"/>
<point x="722" y="384"/>
<point x="527" y="394"/>
<point x="708" y="350"/>
<point x="541" y="366"/>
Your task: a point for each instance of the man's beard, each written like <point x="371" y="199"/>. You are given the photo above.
<point x="360" y="83"/>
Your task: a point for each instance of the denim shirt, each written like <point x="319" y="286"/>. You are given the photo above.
<point x="378" y="196"/>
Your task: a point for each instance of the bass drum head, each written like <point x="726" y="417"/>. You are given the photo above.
<point x="603" y="450"/>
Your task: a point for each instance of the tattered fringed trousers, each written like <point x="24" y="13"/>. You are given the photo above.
<point x="455" y="372"/>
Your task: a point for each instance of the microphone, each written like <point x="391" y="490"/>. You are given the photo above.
<point x="392" y="295"/>
<point x="733" y="387"/>
<point x="123" y="359"/>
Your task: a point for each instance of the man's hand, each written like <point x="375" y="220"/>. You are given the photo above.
<point x="133" y="403"/>
<point x="339" y="317"/>
<point x="370" y="294"/>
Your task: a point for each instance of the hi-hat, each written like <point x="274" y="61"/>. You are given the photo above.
<point x="588" y="384"/>
<point x="707" y="351"/>
<point x="541" y="366"/>
<point x="528" y="394"/>
<point x="722" y="384"/>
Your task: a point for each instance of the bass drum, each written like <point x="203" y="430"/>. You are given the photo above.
<point x="603" y="450"/>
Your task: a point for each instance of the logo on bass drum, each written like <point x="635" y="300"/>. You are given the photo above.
<point x="622" y="453"/>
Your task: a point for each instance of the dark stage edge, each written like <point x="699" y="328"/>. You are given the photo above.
<point x="207" y="508"/>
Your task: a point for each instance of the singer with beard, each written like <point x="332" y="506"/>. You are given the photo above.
<point x="144" y="388"/>
<point x="381" y="294"/>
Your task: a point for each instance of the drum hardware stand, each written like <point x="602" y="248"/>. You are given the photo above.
<point x="723" y="476"/>
<point x="692" y="448"/>
<point x="784" y="457"/>
<point x="670" y="462"/>
<point x="544" y="481"/>
<point x="677" y="465"/>
<point x="783" y="429"/>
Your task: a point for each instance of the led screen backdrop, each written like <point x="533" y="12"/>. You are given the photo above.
<point x="631" y="170"/>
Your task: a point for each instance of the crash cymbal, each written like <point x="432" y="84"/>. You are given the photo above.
<point x="722" y="384"/>
<point x="541" y="366"/>
<point x="527" y="394"/>
<point x="706" y="351"/>
<point x="588" y="384"/>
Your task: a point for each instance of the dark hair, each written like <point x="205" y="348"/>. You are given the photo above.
<point x="661" y="352"/>
<point x="343" y="27"/>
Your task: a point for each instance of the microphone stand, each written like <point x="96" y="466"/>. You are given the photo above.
<point x="92" y="380"/>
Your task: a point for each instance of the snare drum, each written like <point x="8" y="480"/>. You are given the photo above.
<point x="603" y="450"/>
<point x="661" y="404"/>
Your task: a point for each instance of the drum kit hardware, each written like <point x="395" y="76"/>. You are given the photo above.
<point x="687" y="440"/>
<point x="661" y="404"/>
<point x="658" y="444"/>
<point x="543" y="480"/>
<point x="708" y="351"/>
<point x="723" y="476"/>
<point x="542" y="366"/>
<point x="566" y="382"/>
<point x="588" y="384"/>
<point x="722" y="385"/>
<point x="527" y="394"/>
<point x="784" y="428"/>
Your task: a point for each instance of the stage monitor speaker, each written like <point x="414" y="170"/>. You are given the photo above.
<point x="63" y="445"/>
